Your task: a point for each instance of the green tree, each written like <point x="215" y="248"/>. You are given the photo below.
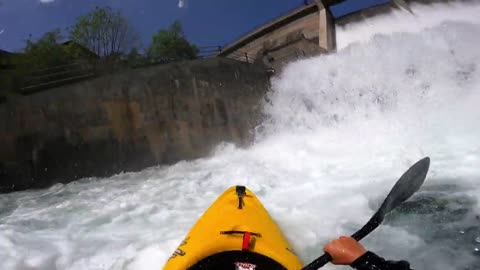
<point x="171" y="44"/>
<point x="135" y="59"/>
<point x="104" y="31"/>
<point x="44" y="52"/>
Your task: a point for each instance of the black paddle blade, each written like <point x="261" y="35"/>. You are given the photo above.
<point x="408" y="184"/>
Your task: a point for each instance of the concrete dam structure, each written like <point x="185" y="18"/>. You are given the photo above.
<point x="304" y="32"/>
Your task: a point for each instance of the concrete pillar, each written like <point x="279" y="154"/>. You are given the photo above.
<point x="327" y="37"/>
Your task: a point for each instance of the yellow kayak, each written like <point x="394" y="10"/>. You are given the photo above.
<point x="236" y="233"/>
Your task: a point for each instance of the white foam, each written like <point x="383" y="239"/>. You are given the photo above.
<point x="401" y="21"/>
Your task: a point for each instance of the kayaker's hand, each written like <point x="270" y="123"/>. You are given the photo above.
<point x="344" y="250"/>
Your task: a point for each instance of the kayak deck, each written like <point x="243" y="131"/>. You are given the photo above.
<point x="237" y="230"/>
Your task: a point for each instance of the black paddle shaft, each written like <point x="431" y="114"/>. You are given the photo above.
<point x="405" y="187"/>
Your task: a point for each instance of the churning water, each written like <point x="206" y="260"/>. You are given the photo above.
<point x="339" y="131"/>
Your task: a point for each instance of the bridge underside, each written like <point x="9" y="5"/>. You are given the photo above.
<point x="306" y="31"/>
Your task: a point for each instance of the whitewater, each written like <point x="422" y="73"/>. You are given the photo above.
<point x="338" y="132"/>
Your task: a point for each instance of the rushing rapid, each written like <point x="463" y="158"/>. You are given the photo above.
<point x="338" y="132"/>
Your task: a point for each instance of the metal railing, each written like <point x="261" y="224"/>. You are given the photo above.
<point x="204" y="52"/>
<point x="241" y="56"/>
<point x="212" y="51"/>
<point x="46" y="78"/>
<point x="41" y="79"/>
<point x="209" y="51"/>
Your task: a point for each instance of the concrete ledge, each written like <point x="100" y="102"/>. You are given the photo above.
<point x="269" y="27"/>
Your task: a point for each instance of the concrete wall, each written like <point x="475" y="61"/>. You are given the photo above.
<point x="306" y="31"/>
<point x="291" y="51"/>
<point x="306" y="26"/>
<point x="128" y="121"/>
<point x="327" y="40"/>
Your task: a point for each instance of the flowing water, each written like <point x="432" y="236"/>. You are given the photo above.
<point x="339" y="131"/>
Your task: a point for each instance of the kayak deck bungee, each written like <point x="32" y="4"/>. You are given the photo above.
<point x="236" y="232"/>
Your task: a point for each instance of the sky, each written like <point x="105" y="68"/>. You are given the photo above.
<point x="205" y="22"/>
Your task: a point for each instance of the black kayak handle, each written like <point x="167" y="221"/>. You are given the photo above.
<point x="240" y="232"/>
<point x="320" y="261"/>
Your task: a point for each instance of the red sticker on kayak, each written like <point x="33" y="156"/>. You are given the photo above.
<point x="245" y="266"/>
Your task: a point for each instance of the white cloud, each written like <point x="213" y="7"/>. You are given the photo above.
<point x="1" y="31"/>
<point x="181" y="3"/>
<point x="46" y="1"/>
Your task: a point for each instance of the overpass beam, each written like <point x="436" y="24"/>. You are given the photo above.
<point x="327" y="37"/>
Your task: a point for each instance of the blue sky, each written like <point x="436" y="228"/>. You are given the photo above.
<point x="205" y="22"/>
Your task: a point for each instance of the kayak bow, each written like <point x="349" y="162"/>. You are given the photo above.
<point x="236" y="232"/>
